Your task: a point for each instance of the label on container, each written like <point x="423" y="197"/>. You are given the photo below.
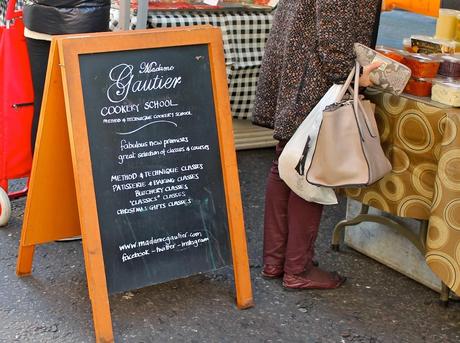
<point x="426" y="47"/>
<point x="211" y="2"/>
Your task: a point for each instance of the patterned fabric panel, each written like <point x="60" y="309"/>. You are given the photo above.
<point x="423" y="144"/>
<point x="3" y="3"/>
<point x="244" y="36"/>
<point x="242" y="82"/>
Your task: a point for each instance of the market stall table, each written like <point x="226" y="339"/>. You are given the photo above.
<point x="421" y="139"/>
<point x="244" y="34"/>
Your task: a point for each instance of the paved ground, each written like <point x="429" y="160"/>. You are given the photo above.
<point x="376" y="304"/>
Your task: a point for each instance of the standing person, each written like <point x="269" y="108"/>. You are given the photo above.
<point x="44" y="18"/>
<point x="309" y="49"/>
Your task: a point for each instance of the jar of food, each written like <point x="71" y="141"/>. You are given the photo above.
<point x="394" y="54"/>
<point x="450" y="65"/>
<point x="446" y="24"/>
<point x="418" y="86"/>
<point x="446" y="92"/>
<point x="422" y="65"/>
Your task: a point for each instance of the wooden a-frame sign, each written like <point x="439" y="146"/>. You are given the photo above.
<point x="62" y="199"/>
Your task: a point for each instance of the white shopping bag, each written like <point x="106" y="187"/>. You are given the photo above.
<point x="297" y="154"/>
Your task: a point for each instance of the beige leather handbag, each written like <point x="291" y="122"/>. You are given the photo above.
<point x="348" y="151"/>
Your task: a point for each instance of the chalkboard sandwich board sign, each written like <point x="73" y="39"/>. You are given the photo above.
<point x="146" y="149"/>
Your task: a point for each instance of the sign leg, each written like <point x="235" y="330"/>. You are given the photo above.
<point x="25" y="259"/>
<point x="242" y="274"/>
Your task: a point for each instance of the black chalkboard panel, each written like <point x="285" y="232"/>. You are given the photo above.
<point x="156" y="165"/>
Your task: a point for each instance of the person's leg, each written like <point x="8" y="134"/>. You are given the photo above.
<point x="38" y="56"/>
<point x="303" y="220"/>
<point x="275" y="220"/>
<point x="300" y="271"/>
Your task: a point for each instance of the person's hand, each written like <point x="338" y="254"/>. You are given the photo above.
<point x="364" y="79"/>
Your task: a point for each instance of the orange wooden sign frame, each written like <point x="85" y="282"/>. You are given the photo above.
<point x="62" y="160"/>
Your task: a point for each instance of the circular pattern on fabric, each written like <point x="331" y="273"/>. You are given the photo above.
<point x="375" y="200"/>
<point x="393" y="104"/>
<point x="399" y="160"/>
<point x="415" y="132"/>
<point x="427" y="109"/>
<point x="423" y="178"/>
<point x="383" y="124"/>
<point x="457" y="252"/>
<point x="437" y="151"/>
<point x="354" y="192"/>
<point x="414" y="206"/>
<point x="392" y="187"/>
<point x="438" y="233"/>
<point x="452" y="214"/>
<point x="445" y="267"/>
<point x="448" y="169"/>
<point x="437" y="194"/>
<point x="448" y="130"/>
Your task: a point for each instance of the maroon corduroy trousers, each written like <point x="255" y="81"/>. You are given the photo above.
<point x="291" y="224"/>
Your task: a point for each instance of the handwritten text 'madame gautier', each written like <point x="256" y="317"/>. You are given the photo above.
<point x="123" y="83"/>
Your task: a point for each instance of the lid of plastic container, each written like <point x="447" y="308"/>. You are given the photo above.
<point x="407" y="41"/>
<point x="450" y="58"/>
<point x="387" y="49"/>
<point x="448" y="11"/>
<point x="422" y="79"/>
<point x="450" y="84"/>
<point x="422" y="58"/>
<point x="446" y="42"/>
<point x="442" y="78"/>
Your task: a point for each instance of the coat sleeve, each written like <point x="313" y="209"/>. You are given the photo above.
<point x="335" y="27"/>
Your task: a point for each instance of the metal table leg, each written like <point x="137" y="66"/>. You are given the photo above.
<point x="364" y="216"/>
<point x="419" y="241"/>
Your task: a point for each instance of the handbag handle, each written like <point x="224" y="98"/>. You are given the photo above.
<point x="10" y="11"/>
<point x="346" y="84"/>
<point x="357" y="104"/>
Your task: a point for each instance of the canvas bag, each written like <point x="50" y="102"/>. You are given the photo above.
<point x="296" y="156"/>
<point x="348" y="151"/>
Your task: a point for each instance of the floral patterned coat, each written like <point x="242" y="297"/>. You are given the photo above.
<point x="310" y="47"/>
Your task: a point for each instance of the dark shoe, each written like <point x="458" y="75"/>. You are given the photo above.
<point x="272" y="271"/>
<point x="307" y="280"/>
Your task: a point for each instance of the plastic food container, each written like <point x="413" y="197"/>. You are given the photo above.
<point x="394" y="54"/>
<point x="446" y="92"/>
<point x="431" y="45"/>
<point x="407" y="45"/>
<point x="457" y="35"/>
<point x="446" y="24"/>
<point x="422" y="66"/>
<point x="450" y="66"/>
<point x="418" y="86"/>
